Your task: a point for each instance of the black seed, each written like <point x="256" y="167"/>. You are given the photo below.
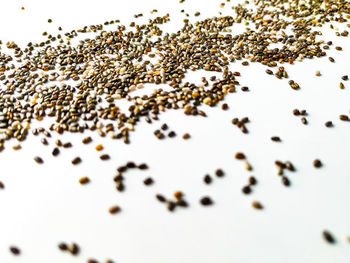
<point x="2" y="186"/>
<point x="328" y="237"/>
<point x="219" y="173"/>
<point x="206" y="201"/>
<point x="164" y="127"/>
<point x="74" y="249"/>
<point x="62" y="246"/>
<point x="130" y="165"/>
<point x="105" y="157"/>
<point x="246" y="189"/>
<point x="304" y="121"/>
<point x="285" y="181"/>
<point x="15" y="250"/>
<point x="67" y="145"/>
<point x="148" y="181"/>
<point x="207" y="179"/>
<point x="143" y="166"/>
<point x="172" y="134"/>
<point x="55" y="151"/>
<point x="161" y="198"/>
<point x="252" y="180"/>
<point x="345" y="77"/>
<point x="276" y="139"/>
<point x="224" y="106"/>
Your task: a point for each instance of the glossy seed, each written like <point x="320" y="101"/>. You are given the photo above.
<point x="105" y="157"/>
<point x="317" y="163"/>
<point x="207" y="179"/>
<point x="328" y="237"/>
<point x="206" y="201"/>
<point x="114" y="209"/>
<point x="240" y="156"/>
<point x="257" y="205"/>
<point x="76" y="160"/>
<point x="38" y="160"/>
<point x="84" y="180"/>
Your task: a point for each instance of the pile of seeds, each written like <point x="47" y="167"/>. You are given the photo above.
<point x="36" y="81"/>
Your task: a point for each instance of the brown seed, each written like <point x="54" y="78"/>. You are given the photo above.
<point x="178" y="195"/>
<point x="186" y="136"/>
<point x="206" y="201"/>
<point x="38" y="160"/>
<point x="317" y="163"/>
<point x="172" y="134"/>
<point x="164" y="127"/>
<point x="148" y="181"/>
<point x="341" y="85"/>
<point x="296" y="112"/>
<point x="99" y="147"/>
<point x="252" y="180"/>
<point x="105" y="157"/>
<point x="269" y="71"/>
<point x="343" y="117"/>
<point x="328" y="237"/>
<point x="224" y="106"/>
<point x="304" y="121"/>
<point x="44" y="141"/>
<point x="84" y="180"/>
<point x="247" y="166"/>
<point x="328" y="124"/>
<point x="318" y="73"/>
<point x="91" y="260"/>
<point x="114" y="209"/>
<point x="76" y="160"/>
<point x="245" y="63"/>
<point x="17" y="147"/>
<point x="285" y="181"/>
<point x="15" y="250"/>
<point x="240" y="156"/>
<point x="87" y="140"/>
<point x="257" y="205"/>
<point x="2" y="186"/>
<point x="67" y="145"/>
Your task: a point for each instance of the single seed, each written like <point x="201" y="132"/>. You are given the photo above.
<point x="148" y="181"/>
<point x="17" y="147"/>
<point x="178" y="195"/>
<point x="114" y="209"/>
<point x="246" y="189"/>
<point x="296" y="112"/>
<point x="248" y="167"/>
<point x="338" y="48"/>
<point x="240" y="156"/>
<point x="62" y="246"/>
<point x="186" y="136"/>
<point x="164" y="127"/>
<point x="105" y="157"/>
<point x="38" y="160"/>
<point x="44" y="141"/>
<point x="304" y="121"/>
<point x="58" y="143"/>
<point x="67" y="145"/>
<point x="55" y="151"/>
<point x="143" y="166"/>
<point x="331" y="59"/>
<point x="172" y="134"/>
<point x="130" y="165"/>
<point x="329" y="124"/>
<point x="318" y="73"/>
<point x="219" y="173"/>
<point x="99" y="147"/>
<point x="343" y="117"/>
<point x="269" y="71"/>
<point x="161" y="198"/>
<point x="345" y="77"/>
<point x="207" y="179"/>
<point x="328" y="237"/>
<point x="276" y="139"/>
<point x="15" y="250"/>
<point x="2" y="186"/>
<point x="76" y="160"/>
<point x="49" y="20"/>
<point x="87" y="140"/>
<point x="84" y="180"/>
<point x="317" y="163"/>
<point x="224" y="106"/>
<point x="257" y="205"/>
<point x="285" y="181"/>
<point x="252" y="180"/>
<point x="74" y="249"/>
<point x="91" y="260"/>
<point x="341" y="85"/>
<point x="206" y="201"/>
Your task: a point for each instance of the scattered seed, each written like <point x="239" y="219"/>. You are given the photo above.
<point x="161" y="198"/>
<point x="87" y="140"/>
<point x="328" y="237"/>
<point x="114" y="209"/>
<point x="344" y="117"/>
<point x="55" y="151"/>
<point x="240" y="156"/>
<point x="15" y="250"/>
<point x="105" y="157"/>
<point x="148" y="181"/>
<point x="38" y="160"/>
<point x="84" y="180"/>
<point x="99" y="147"/>
<point x="186" y="136"/>
<point x="329" y="124"/>
<point x="76" y="160"/>
<point x="17" y="147"/>
<point x="318" y="73"/>
<point x="276" y="139"/>
<point x="206" y="201"/>
<point x="317" y="163"/>
<point x="219" y="173"/>
<point x="257" y="205"/>
<point x="246" y="189"/>
<point x="63" y="246"/>
<point x="207" y="179"/>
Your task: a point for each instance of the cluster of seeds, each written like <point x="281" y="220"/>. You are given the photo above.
<point x="36" y="80"/>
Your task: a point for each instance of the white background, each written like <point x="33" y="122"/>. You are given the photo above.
<point x="43" y="205"/>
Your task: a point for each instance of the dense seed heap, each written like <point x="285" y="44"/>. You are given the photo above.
<point x="78" y="86"/>
<point x="115" y="63"/>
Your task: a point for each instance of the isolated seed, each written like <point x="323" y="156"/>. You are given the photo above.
<point x="63" y="246"/>
<point x="219" y="173"/>
<point x="207" y="179"/>
<point x="87" y="140"/>
<point x="55" y="151"/>
<point x="76" y="160"/>
<point x="74" y="249"/>
<point x="318" y="73"/>
<point x="15" y="250"/>
<point x="84" y="180"/>
<point x="317" y="163"/>
<point x="99" y="147"/>
<point x="148" y="181"/>
<point x="186" y="136"/>
<point x="285" y="181"/>
<point x="343" y="117"/>
<point x="17" y="147"/>
<point x="105" y="157"/>
<point x="328" y="237"/>
<point x="341" y="85"/>
<point x="206" y="201"/>
<point x="143" y="166"/>
<point x="257" y="205"/>
<point x="246" y="189"/>
<point x="2" y="186"/>
<point x="304" y="121"/>
<point x="240" y="156"/>
<point x="67" y="145"/>
<point x="252" y="180"/>
<point x="172" y="134"/>
<point x="275" y="139"/>
<point x="328" y="124"/>
<point x="345" y="77"/>
<point x="114" y="209"/>
<point x="161" y="198"/>
<point x="38" y="160"/>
